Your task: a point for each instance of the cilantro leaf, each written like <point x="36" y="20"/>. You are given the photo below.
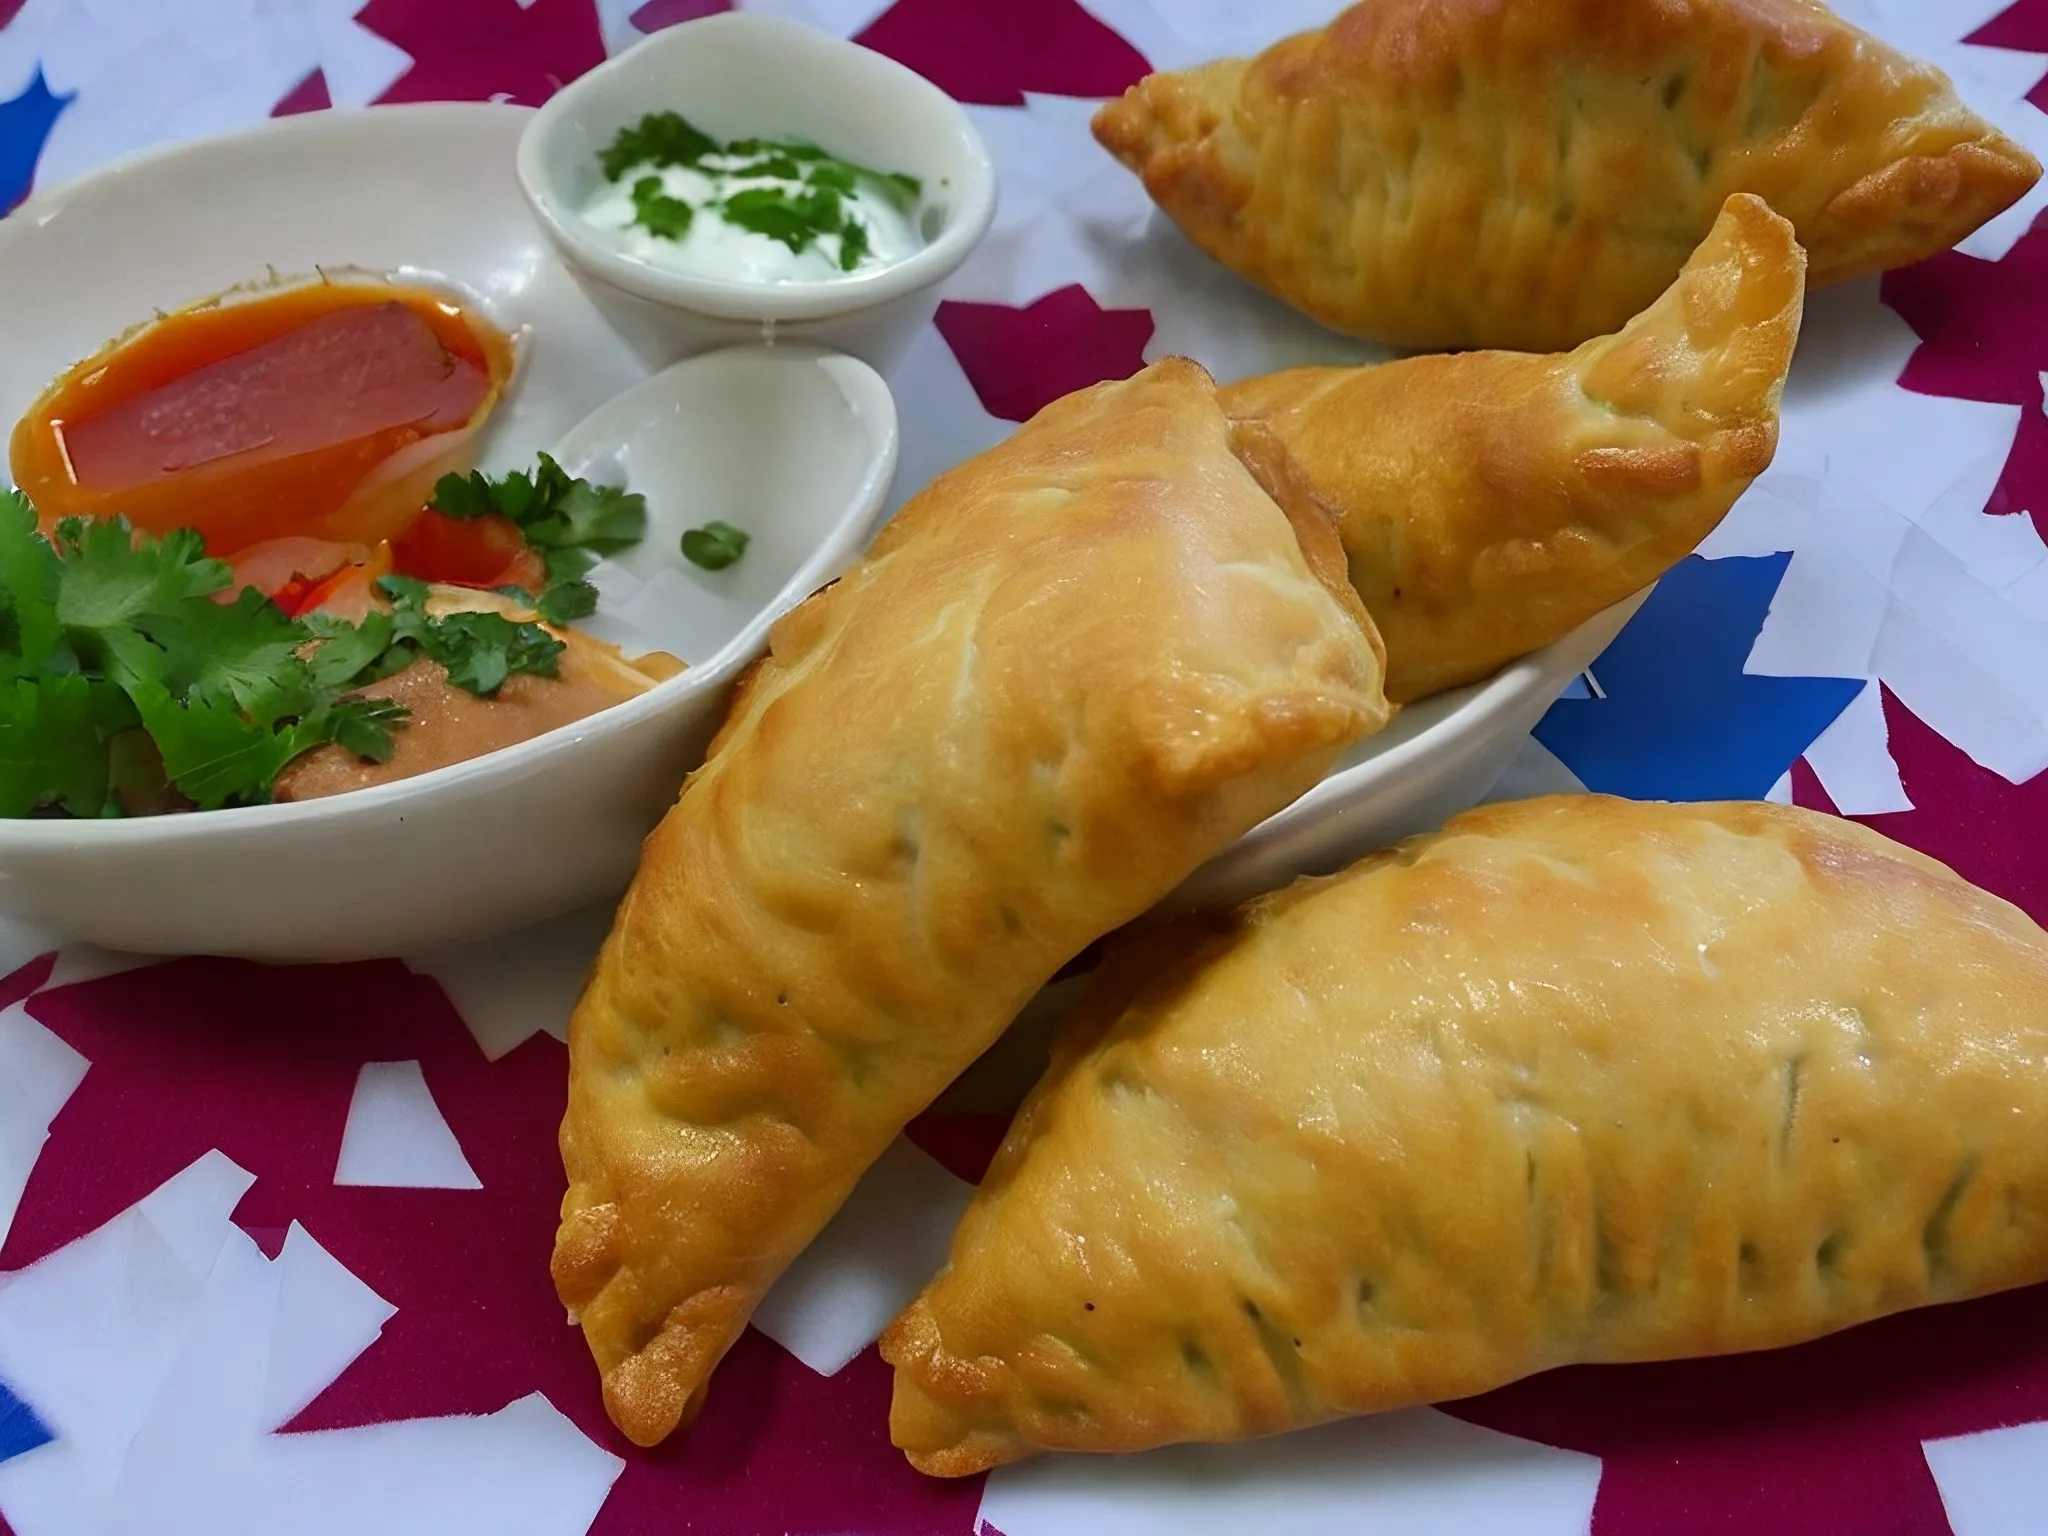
<point x="665" y="217"/>
<point x="110" y="578"/>
<point x="214" y="755"/>
<point x="245" y="652"/>
<point x="797" y="220"/>
<point x="564" y="602"/>
<point x="659" y="138"/>
<point x="125" y="670"/>
<point x="348" y="655"/>
<point x="29" y="572"/>
<point x="715" y="546"/>
<point x="463" y="496"/>
<point x="364" y="726"/>
<point x="603" y="519"/>
<point x="478" y="651"/>
<point x="571" y="562"/>
<point x="554" y="509"/>
<point x="853" y="244"/>
<point x="53" y="748"/>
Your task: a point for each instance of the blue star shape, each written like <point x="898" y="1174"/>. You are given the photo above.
<point x="1678" y="718"/>
<point x="25" y="124"/>
<point x="20" y="1429"/>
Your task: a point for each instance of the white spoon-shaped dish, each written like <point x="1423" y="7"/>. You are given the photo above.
<point x="1440" y="756"/>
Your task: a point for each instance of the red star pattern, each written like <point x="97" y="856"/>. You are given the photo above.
<point x="261" y="1062"/>
<point x="1021" y="360"/>
<point x="1823" y="1439"/>
<point x="1970" y="818"/>
<point x="1984" y="336"/>
<point x="2023" y="28"/>
<point x="990" y="54"/>
<point x="485" y="50"/>
<point x="309" y="95"/>
<point x="656" y="14"/>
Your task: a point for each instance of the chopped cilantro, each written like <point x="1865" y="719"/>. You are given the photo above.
<point x="570" y="521"/>
<point x="658" y="213"/>
<point x="659" y="138"/>
<point x="853" y="244"/>
<point x="809" y="205"/>
<point x="714" y="546"/>
<point x="52" y="753"/>
<point x="797" y="220"/>
<point x="564" y="602"/>
<point x="127" y="680"/>
<point x="477" y="650"/>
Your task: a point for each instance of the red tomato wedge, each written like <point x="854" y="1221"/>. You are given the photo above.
<point x="350" y="593"/>
<point x="276" y="567"/>
<point x="326" y="410"/>
<point x="487" y="551"/>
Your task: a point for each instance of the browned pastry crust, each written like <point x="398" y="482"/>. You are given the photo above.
<point x="1490" y="502"/>
<point x="1574" y="1079"/>
<point x="1067" y="673"/>
<point x="1530" y="173"/>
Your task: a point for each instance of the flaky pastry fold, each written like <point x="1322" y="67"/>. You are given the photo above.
<point x="1490" y="502"/>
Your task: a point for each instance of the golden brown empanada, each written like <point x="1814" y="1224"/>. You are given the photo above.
<point x="1066" y="674"/>
<point x="1574" y="1079"/>
<point x="1490" y="502"/>
<point x="1468" y="173"/>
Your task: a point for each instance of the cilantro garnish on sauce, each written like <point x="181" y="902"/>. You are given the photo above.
<point x="130" y="680"/>
<point x="808" y="205"/>
<point x="122" y="677"/>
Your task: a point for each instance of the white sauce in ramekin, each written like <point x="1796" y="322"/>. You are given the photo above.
<point x="715" y="247"/>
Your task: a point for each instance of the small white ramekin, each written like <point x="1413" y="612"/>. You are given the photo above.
<point x="742" y="75"/>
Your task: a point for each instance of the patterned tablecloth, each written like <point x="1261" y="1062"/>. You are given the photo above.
<point x="273" y="1241"/>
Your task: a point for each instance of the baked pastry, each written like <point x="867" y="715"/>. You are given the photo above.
<point x="1575" y="1079"/>
<point x="1466" y="173"/>
<point x="1490" y="502"/>
<point x="1067" y="673"/>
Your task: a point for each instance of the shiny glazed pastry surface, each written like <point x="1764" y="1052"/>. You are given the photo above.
<point x="1066" y="674"/>
<point x="1491" y="502"/>
<point x="1468" y="173"/>
<point x="1575" y="1079"/>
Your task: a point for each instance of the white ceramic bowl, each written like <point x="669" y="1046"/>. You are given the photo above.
<point x="521" y="835"/>
<point x="744" y="75"/>
<point x="1439" y="757"/>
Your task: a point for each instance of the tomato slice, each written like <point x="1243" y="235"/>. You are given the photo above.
<point x="487" y="551"/>
<point x="350" y="593"/>
<point x="278" y="567"/>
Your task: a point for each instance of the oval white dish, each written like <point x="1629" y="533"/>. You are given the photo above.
<point x="1439" y="757"/>
<point x="741" y="75"/>
<point x="538" y="829"/>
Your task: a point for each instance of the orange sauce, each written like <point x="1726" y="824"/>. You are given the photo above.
<point x="238" y="420"/>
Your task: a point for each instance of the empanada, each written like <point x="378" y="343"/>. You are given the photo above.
<point x="1066" y="674"/>
<point x="1490" y="502"/>
<point x="1468" y="173"/>
<point x="1574" y="1079"/>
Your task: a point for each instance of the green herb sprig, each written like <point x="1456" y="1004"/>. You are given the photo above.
<point x="571" y="522"/>
<point x="124" y="677"/>
<point x="478" y="650"/>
